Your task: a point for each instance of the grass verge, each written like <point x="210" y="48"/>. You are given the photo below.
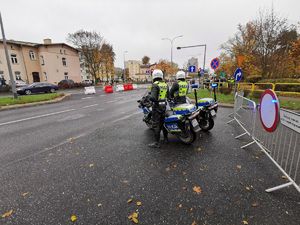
<point x="285" y="102"/>
<point x="5" y="101"/>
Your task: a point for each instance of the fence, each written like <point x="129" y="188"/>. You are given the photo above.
<point x="281" y="146"/>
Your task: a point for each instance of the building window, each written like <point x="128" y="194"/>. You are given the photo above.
<point x="18" y="75"/>
<point x="45" y="76"/>
<point x="14" y="59"/>
<point x="66" y="76"/>
<point x="60" y="51"/>
<point x="42" y="60"/>
<point x="32" y="55"/>
<point x="65" y="52"/>
<point x="64" y="61"/>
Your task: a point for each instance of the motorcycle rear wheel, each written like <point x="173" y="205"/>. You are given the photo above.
<point x="206" y="125"/>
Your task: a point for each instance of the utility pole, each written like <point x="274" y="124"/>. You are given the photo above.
<point x="171" y="42"/>
<point x="12" y="80"/>
<point x="124" y="73"/>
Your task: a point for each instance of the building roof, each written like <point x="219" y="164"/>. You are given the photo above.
<point x="32" y="44"/>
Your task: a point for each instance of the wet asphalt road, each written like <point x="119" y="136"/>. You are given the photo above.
<point x="91" y="160"/>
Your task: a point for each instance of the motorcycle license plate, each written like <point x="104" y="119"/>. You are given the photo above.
<point x="212" y="112"/>
<point x="195" y="123"/>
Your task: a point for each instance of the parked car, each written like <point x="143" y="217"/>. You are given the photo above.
<point x="37" y="88"/>
<point x="87" y="82"/>
<point x="66" y="83"/>
<point x="19" y="83"/>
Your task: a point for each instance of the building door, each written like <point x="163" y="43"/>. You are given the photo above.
<point x="36" y="77"/>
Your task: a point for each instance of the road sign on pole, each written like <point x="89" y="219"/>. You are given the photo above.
<point x="238" y="74"/>
<point x="192" y="69"/>
<point x="215" y="63"/>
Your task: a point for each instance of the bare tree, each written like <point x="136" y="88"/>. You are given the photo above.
<point x="89" y="43"/>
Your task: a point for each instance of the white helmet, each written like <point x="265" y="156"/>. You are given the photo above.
<point x="180" y="75"/>
<point x="157" y="74"/>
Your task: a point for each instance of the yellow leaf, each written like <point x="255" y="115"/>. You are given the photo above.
<point x="138" y="203"/>
<point x="129" y="200"/>
<point x="135" y="220"/>
<point x="194" y="223"/>
<point x="245" y="222"/>
<point x="135" y="215"/>
<point x="73" y="218"/>
<point x="25" y="193"/>
<point x="197" y="189"/>
<point x="7" y="214"/>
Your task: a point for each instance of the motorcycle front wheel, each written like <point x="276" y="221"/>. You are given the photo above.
<point x="188" y="136"/>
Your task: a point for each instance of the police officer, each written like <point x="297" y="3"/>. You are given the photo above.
<point x="159" y="96"/>
<point x="179" y="89"/>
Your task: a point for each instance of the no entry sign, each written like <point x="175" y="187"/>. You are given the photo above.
<point x="269" y="110"/>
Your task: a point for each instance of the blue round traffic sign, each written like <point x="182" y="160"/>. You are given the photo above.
<point x="215" y="63"/>
<point x="238" y="74"/>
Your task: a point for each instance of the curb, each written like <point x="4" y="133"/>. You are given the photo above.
<point x="66" y="96"/>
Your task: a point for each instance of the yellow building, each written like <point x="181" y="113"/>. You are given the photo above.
<point x="47" y="62"/>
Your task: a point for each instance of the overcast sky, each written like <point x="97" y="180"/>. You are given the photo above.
<point x="139" y="25"/>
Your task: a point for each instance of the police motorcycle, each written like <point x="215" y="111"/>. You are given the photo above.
<point x="180" y="120"/>
<point x="208" y="110"/>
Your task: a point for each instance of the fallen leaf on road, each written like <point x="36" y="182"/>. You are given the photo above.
<point x="99" y="205"/>
<point x="91" y="165"/>
<point x="284" y="177"/>
<point x="199" y="149"/>
<point x="183" y="173"/>
<point x="138" y="203"/>
<point x="184" y="188"/>
<point x="180" y="206"/>
<point x="73" y="218"/>
<point x="245" y="222"/>
<point x="194" y="223"/>
<point x="254" y="204"/>
<point x="239" y="167"/>
<point x="7" y="214"/>
<point x="167" y="169"/>
<point x="197" y="189"/>
<point x="191" y="209"/>
<point x="174" y="166"/>
<point x="125" y="181"/>
<point x="134" y="217"/>
<point x="25" y="193"/>
<point x="248" y="188"/>
<point x="129" y="200"/>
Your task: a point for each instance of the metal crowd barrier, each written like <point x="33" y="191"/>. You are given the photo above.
<point x="281" y="146"/>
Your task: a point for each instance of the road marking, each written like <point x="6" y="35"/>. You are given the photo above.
<point x="126" y="117"/>
<point x="43" y="150"/>
<point x="88" y="106"/>
<point x="36" y="117"/>
<point x="86" y="97"/>
<point x="112" y="101"/>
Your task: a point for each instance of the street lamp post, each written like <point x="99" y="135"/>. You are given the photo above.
<point x="171" y="42"/>
<point x="195" y="46"/>
<point x="12" y="80"/>
<point x="124" y="72"/>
